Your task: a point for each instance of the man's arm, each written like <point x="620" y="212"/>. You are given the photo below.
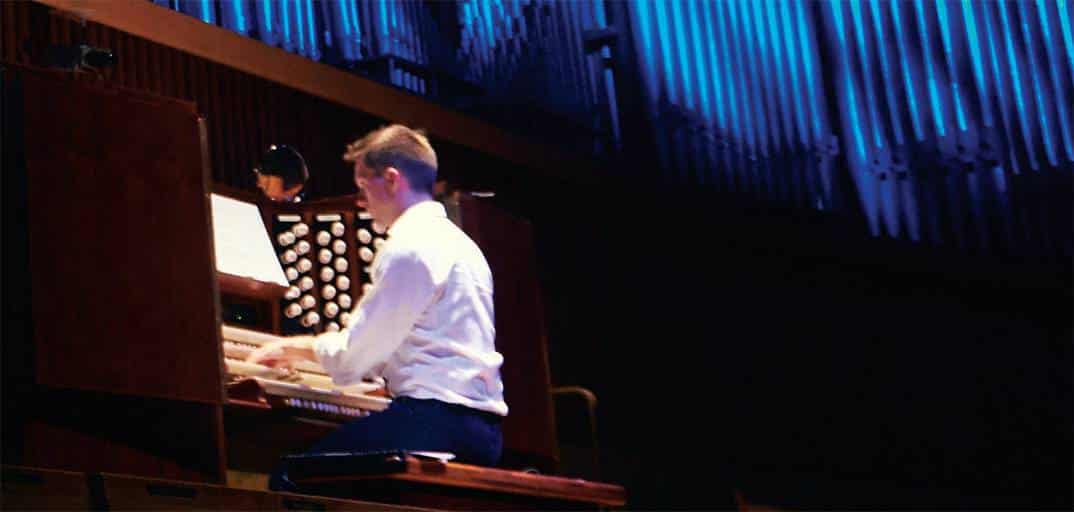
<point x="382" y="319"/>
<point x="379" y="324"/>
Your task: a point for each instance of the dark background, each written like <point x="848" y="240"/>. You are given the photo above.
<point x="793" y="358"/>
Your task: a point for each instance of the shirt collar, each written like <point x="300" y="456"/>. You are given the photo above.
<point x="428" y="209"/>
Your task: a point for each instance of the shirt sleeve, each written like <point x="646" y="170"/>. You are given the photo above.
<point x="382" y="319"/>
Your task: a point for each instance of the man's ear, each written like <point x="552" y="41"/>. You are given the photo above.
<point x="392" y="177"/>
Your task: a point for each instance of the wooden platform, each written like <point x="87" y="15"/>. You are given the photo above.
<point x="452" y="486"/>
<point x="26" y="488"/>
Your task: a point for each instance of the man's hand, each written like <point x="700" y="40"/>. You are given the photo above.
<point x="284" y="353"/>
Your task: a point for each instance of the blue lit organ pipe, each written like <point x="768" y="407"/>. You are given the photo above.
<point x="681" y="133"/>
<point x="738" y="66"/>
<point x="544" y="39"/>
<point x="882" y="50"/>
<point x="951" y="59"/>
<point x="1042" y="103"/>
<point x="1054" y="63"/>
<point x="234" y="16"/>
<point x="1012" y="67"/>
<point x="746" y="95"/>
<point x="742" y="172"/>
<point x="994" y="55"/>
<point x="1015" y="71"/>
<point x="766" y="79"/>
<point x="753" y="80"/>
<point x="909" y="85"/>
<point x="776" y="178"/>
<point x="931" y="80"/>
<point x="972" y="39"/>
<point x="266" y="23"/>
<point x="848" y="100"/>
<point x="1064" y="8"/>
<point x="867" y="75"/>
<point x="793" y="66"/>
<point x="917" y="76"/>
<point x="204" y="10"/>
<point x="886" y="191"/>
<point x="781" y="72"/>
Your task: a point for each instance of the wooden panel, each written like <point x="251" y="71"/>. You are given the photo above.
<point x="125" y="492"/>
<point x="250" y="288"/>
<point x="507" y="241"/>
<point x="288" y="501"/>
<point x="120" y="243"/>
<point x="93" y="432"/>
<point x="258" y="436"/>
<point x="43" y="489"/>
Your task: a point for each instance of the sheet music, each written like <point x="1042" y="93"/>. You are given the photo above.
<point x="242" y="243"/>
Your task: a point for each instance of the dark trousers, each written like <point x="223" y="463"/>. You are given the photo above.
<point x="413" y="424"/>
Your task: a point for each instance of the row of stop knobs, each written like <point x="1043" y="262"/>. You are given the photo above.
<point x="330" y="252"/>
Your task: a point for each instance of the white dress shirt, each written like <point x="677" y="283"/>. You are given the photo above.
<point x="427" y="323"/>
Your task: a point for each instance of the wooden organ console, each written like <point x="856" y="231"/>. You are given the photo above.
<point x="133" y="359"/>
<point x="325" y="249"/>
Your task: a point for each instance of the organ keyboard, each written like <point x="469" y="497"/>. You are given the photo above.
<point x="306" y="386"/>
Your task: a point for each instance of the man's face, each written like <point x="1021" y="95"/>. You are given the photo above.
<point x="272" y="186"/>
<point x="374" y="192"/>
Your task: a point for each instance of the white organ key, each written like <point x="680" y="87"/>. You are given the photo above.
<point x="300" y="229"/>
<point x="307" y="301"/>
<point x="306" y="283"/>
<point x="291" y="273"/>
<point x="311" y="319"/>
<point x="343" y="283"/>
<point x="328" y="292"/>
<point x="288" y="256"/>
<point x="345" y="319"/>
<point x="324" y="256"/>
<point x="378" y="228"/>
<point x="292" y="293"/>
<point x="339" y="247"/>
<point x="378" y="243"/>
<point x="344" y="301"/>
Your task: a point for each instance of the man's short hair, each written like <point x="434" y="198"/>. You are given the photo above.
<point x="397" y="146"/>
<point x="285" y="162"/>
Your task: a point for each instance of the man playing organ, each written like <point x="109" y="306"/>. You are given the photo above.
<point x="426" y="326"/>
